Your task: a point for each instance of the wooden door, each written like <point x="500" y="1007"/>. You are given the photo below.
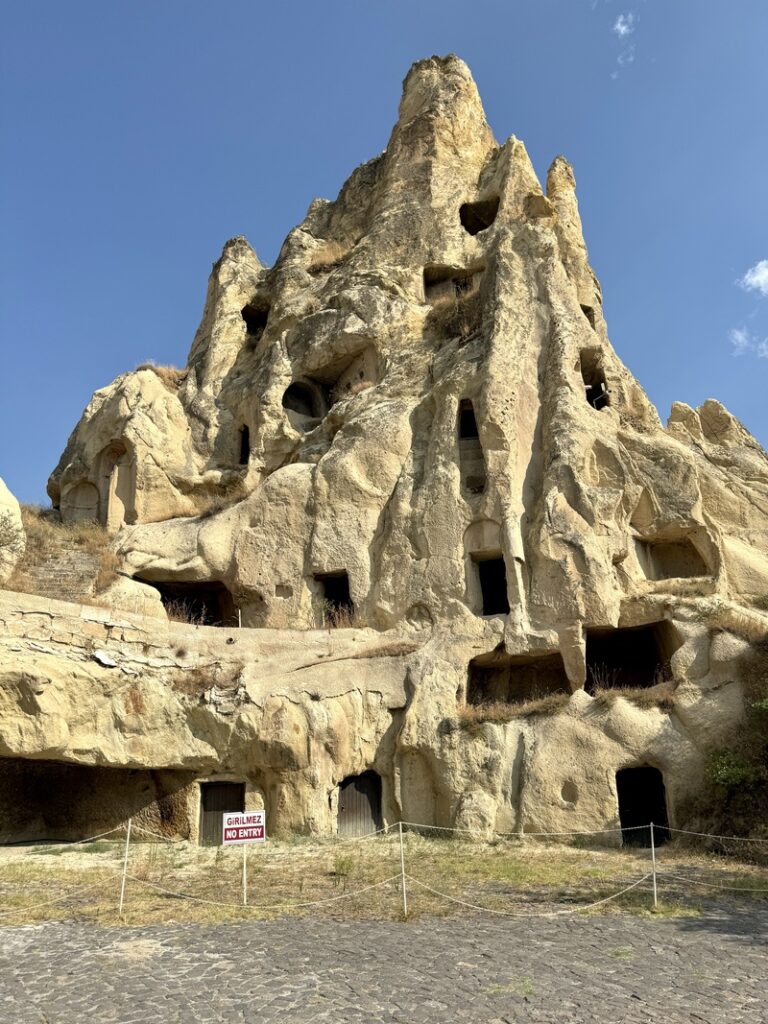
<point x="216" y="798"/>
<point x="360" y="805"/>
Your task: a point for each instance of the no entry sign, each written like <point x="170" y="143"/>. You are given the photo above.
<point x="240" y="827"/>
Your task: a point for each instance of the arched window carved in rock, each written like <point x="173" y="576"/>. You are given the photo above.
<point x="117" y="486"/>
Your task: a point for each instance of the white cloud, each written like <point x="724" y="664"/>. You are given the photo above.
<point x="627" y="57"/>
<point x="756" y="278"/>
<point x="741" y="340"/>
<point x="624" y="25"/>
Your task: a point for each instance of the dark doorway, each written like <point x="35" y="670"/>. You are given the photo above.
<point x="245" y="446"/>
<point x="337" y="601"/>
<point x="471" y="459"/>
<point x="360" y="805"/>
<point x="642" y="800"/>
<point x="217" y="798"/>
<point x="199" y="604"/>
<point x="476" y="217"/>
<point x="493" y="584"/>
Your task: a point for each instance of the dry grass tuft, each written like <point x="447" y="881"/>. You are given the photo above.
<point x="330" y="255"/>
<point x="171" y="376"/>
<point x="660" y="695"/>
<point x="179" y="610"/>
<point x="499" y="712"/>
<point x="342" y="618"/>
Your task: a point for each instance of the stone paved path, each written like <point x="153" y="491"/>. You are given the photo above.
<point x="604" y="969"/>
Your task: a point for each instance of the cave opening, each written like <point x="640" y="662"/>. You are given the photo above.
<point x="642" y="799"/>
<point x="477" y="217"/>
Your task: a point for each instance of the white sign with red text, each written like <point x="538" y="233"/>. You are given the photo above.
<point x="240" y="827"/>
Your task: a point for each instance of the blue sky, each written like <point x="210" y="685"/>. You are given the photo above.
<point x="138" y="137"/>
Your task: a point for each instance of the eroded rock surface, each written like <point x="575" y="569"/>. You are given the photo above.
<point x="414" y="425"/>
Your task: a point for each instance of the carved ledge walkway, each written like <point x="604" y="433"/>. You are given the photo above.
<point x="612" y="970"/>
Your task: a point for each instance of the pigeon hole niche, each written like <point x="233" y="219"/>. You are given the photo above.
<point x="630" y="659"/>
<point x="207" y="603"/>
<point x="498" y="677"/>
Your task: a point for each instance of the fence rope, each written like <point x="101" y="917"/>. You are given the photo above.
<point x="522" y="835"/>
<point x="707" y="835"/>
<point x="711" y="885"/>
<point x="274" y="906"/>
<point x="506" y="913"/>
<point x="58" y="899"/>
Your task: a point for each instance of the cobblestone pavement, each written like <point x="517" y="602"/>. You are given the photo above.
<point x="609" y="969"/>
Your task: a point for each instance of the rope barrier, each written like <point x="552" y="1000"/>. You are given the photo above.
<point x="522" y="835"/>
<point x="504" y="913"/>
<point x="711" y="885"/>
<point x="57" y="899"/>
<point x="274" y="906"/>
<point x="707" y="835"/>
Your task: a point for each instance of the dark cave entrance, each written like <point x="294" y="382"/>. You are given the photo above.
<point x="642" y="799"/>
<point x="200" y="604"/>
<point x="633" y="658"/>
<point x="476" y="217"/>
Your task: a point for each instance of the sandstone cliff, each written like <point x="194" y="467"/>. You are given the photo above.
<point x="414" y="425"/>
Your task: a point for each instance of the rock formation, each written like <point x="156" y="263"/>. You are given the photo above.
<point x="408" y="461"/>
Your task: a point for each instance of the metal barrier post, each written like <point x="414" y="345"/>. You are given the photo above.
<point x="402" y="871"/>
<point x="653" y="864"/>
<point x="125" y="866"/>
<point x="245" y="874"/>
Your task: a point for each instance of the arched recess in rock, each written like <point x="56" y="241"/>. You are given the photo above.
<point x="80" y="502"/>
<point x="116" y="470"/>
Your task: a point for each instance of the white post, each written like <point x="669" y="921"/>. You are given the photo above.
<point x="402" y="872"/>
<point x="653" y="863"/>
<point x="125" y="866"/>
<point x="245" y="874"/>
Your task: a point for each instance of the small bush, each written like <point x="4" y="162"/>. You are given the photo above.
<point x="171" y="376"/>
